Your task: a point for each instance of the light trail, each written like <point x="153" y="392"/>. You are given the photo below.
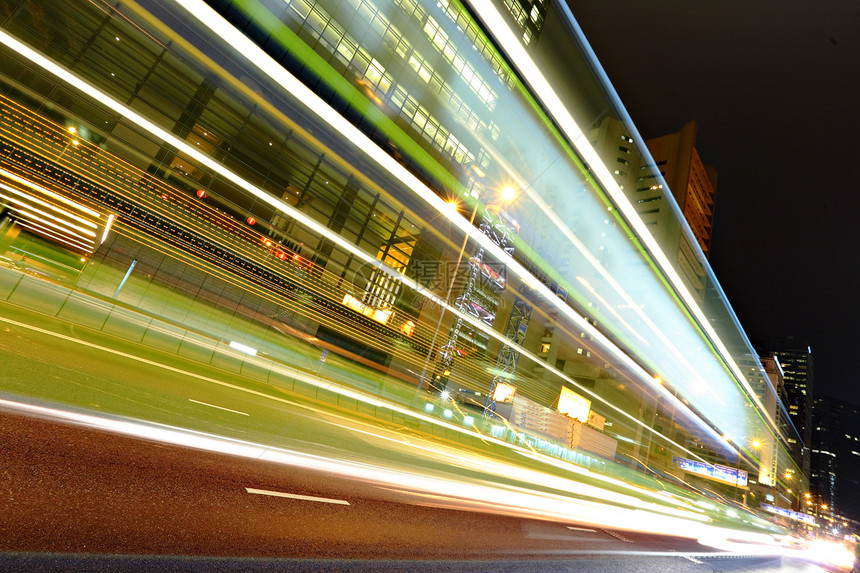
<point x="501" y="470"/>
<point x="469" y="494"/>
<point x="256" y="56"/>
<point x="55" y="196"/>
<point x="509" y="498"/>
<point x="544" y="92"/>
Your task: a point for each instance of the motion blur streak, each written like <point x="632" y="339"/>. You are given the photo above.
<point x="502" y="469"/>
<point x="219" y="26"/>
<point x="575" y="135"/>
<point x="260" y="59"/>
<point x="470" y="495"/>
<point x="817" y="550"/>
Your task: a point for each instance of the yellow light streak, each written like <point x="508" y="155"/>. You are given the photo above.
<point x="24" y="215"/>
<point x="54" y="236"/>
<point x="242" y="44"/>
<point x="31" y="199"/>
<point x="23" y="205"/>
<point x="51" y="194"/>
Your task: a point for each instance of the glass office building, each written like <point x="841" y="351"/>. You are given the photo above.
<point x="401" y="191"/>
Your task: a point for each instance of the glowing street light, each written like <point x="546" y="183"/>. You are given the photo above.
<point x="508" y="193"/>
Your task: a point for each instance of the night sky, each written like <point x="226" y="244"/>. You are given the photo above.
<point x="774" y="87"/>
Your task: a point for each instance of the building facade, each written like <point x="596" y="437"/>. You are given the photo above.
<point x="835" y="458"/>
<point x="798" y="367"/>
<point x="405" y="185"/>
<point x="670" y="174"/>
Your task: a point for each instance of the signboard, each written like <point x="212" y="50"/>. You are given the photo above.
<point x="716" y="471"/>
<point x="795" y="515"/>
<point x="376" y="314"/>
<point x="574" y="405"/>
<point x="504" y="393"/>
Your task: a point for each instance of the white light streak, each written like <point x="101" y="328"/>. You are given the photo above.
<point x="52" y="220"/>
<point x="33" y="199"/>
<point x="498" y="27"/>
<point x="256" y="56"/>
<point x="49" y="193"/>
<point x="72" y="242"/>
<point x="108" y="225"/>
<point x="243" y="348"/>
<point x="468" y="494"/>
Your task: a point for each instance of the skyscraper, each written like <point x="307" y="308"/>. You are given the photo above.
<point x="673" y="171"/>
<point x="797" y="365"/>
<point x="692" y="183"/>
<point x="835" y="457"/>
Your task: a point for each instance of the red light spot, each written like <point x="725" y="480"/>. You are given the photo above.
<point x="201" y="194"/>
<point x="251" y="220"/>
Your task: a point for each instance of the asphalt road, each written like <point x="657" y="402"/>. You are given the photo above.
<point x="78" y="499"/>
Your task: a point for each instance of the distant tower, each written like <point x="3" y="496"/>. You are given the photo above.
<point x="798" y="378"/>
<point x="835" y="458"/>
<point x="693" y="184"/>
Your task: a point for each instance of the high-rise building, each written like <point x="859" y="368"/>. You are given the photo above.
<point x="671" y="176"/>
<point x="797" y="365"/>
<point x="835" y="458"/>
<point x="406" y="185"/>
<point x="692" y="183"/>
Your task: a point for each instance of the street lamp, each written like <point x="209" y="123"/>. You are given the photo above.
<point x="507" y="194"/>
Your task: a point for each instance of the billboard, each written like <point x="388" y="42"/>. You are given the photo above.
<point x="504" y="393"/>
<point x="716" y="471"/>
<point x="795" y="515"/>
<point x="574" y="405"/>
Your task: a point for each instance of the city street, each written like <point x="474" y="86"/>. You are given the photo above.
<point x="274" y="475"/>
<point x="75" y="490"/>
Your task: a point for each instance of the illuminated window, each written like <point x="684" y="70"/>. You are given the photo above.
<point x="373" y="74"/>
<point x="204" y="141"/>
<point x="382" y="289"/>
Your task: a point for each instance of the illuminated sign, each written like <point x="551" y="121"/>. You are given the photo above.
<point x="504" y="393"/>
<point x="795" y="515"/>
<point x="574" y="405"/>
<point x="376" y="314"/>
<point x="716" y="471"/>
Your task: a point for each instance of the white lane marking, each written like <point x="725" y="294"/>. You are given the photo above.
<point x="296" y="496"/>
<point x="219" y="407"/>
<point x="616" y="535"/>
<point x="581" y="529"/>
